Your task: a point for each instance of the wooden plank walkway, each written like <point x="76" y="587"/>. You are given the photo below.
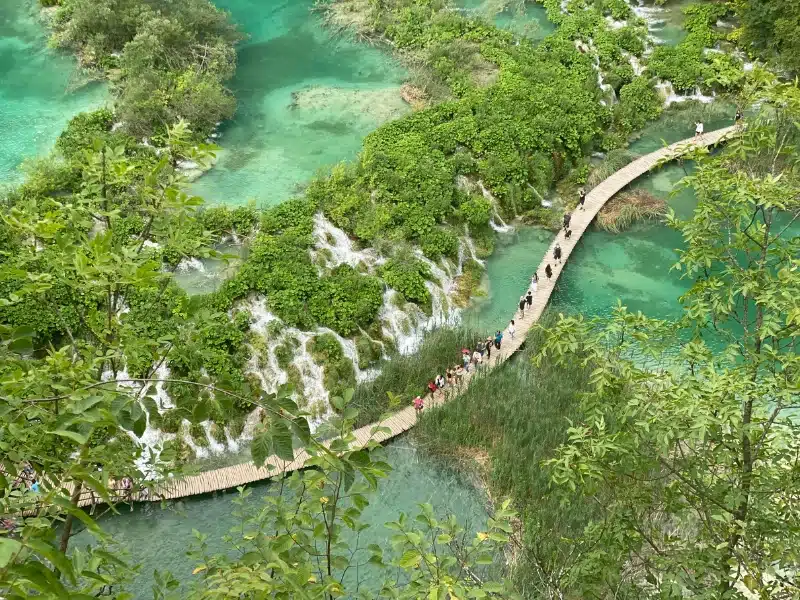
<point x="399" y="422"/>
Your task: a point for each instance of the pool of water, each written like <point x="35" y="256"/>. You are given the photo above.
<point x="159" y="538"/>
<point x="665" y="22"/>
<point x="526" y="19"/>
<point x="306" y="99"/>
<point x="37" y="88"/>
<point x="508" y="275"/>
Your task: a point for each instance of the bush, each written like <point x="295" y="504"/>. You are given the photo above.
<point x="82" y="130"/>
<point x="408" y="277"/>
<point x="346" y="300"/>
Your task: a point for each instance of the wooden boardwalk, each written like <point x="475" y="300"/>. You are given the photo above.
<point x="399" y="422"/>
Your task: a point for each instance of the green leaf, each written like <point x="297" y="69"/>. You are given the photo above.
<point x="139" y="426"/>
<point x="282" y="440"/>
<point x="72" y="435"/>
<point x="8" y="549"/>
<point x="261" y="448"/>
<point x="410" y="559"/>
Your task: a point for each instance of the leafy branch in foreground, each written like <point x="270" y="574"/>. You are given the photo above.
<point x="694" y="459"/>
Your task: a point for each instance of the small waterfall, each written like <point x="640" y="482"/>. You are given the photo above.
<point x="470" y="245"/>
<point x="350" y="351"/>
<point x="339" y="246"/>
<point x="191" y="265"/>
<point x="502" y="227"/>
<point x="667" y="92"/>
<point x="398" y="324"/>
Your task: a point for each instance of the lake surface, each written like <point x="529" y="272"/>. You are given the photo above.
<point x="159" y="538"/>
<point x="306" y="100"/>
<point x="38" y="88"/>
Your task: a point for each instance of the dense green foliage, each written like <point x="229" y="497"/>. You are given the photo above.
<point x="771" y="28"/>
<point x="339" y="372"/>
<point x="167" y="60"/>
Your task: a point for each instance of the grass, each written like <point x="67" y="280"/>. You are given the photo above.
<point x="613" y="162"/>
<point x="407" y="376"/>
<point x="519" y="414"/>
<point x="630" y="207"/>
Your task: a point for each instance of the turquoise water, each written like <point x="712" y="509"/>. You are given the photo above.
<point x="508" y="275"/>
<point x="531" y="21"/>
<point x="159" y="538"/>
<point x="36" y="96"/>
<point x="306" y="101"/>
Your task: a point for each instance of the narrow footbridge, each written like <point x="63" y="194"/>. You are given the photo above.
<point x="403" y="420"/>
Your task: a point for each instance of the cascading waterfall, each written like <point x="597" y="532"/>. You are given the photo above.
<point x="339" y="247"/>
<point x="502" y="227"/>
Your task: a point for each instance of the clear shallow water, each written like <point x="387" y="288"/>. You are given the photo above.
<point x="305" y="101"/>
<point x="531" y="22"/>
<point x="36" y="97"/>
<point x="159" y="539"/>
<point x="508" y="275"/>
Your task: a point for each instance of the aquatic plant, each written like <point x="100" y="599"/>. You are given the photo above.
<point x="627" y="208"/>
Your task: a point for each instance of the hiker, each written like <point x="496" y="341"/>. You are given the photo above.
<point x="567" y="218"/>
<point x="738" y="116"/>
<point x="511" y="329"/>
<point x="35" y="486"/>
<point x="698" y="129"/>
<point x="581" y="198"/>
<point x="481" y="347"/>
<point x="465" y="360"/>
<point x="568" y="234"/>
<point x="439" y="381"/>
<point x="522" y="307"/>
<point x="418" y="404"/>
<point x="489" y="343"/>
<point x="450" y="376"/>
<point x="498" y="339"/>
<point x="557" y="253"/>
<point x="534" y="282"/>
<point x="432" y="387"/>
<point x="477" y="357"/>
<point x="529" y="299"/>
<point x="548" y="271"/>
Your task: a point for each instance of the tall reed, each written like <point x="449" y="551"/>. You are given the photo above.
<point x="519" y="414"/>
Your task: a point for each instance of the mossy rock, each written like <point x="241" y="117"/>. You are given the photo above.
<point x="198" y="433"/>
<point x="171" y="421"/>
<point x="217" y="432"/>
<point x="369" y="352"/>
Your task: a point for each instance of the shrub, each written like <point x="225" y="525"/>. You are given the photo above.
<point x="408" y="277"/>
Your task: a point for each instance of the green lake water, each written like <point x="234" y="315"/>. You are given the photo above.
<point x="306" y="100"/>
<point x="36" y="96"/>
<point x="159" y="538"/>
<point x="531" y="21"/>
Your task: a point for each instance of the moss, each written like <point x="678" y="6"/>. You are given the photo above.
<point x="295" y="379"/>
<point x="198" y="433"/>
<point x="468" y="284"/>
<point x="236" y="426"/>
<point x="217" y="432"/>
<point x="285" y="351"/>
<point x="369" y="351"/>
<point x="171" y="421"/>
<point x="339" y="372"/>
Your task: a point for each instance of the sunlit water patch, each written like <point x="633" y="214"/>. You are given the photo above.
<point x="39" y="88"/>
<point x="527" y="19"/>
<point x="306" y="100"/>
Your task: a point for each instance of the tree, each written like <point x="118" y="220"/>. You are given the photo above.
<point x="694" y="462"/>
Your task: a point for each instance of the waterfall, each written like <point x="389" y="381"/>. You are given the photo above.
<point x="669" y="95"/>
<point x="502" y="227"/>
<point x="351" y="352"/>
<point x="189" y="265"/>
<point x="339" y="246"/>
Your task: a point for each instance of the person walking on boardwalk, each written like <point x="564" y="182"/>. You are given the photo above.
<point x="548" y="271"/>
<point x="529" y="299"/>
<point x="522" y="307"/>
<point x="477" y="357"/>
<point x="698" y="129"/>
<point x="534" y="281"/>
<point x="738" y="116"/>
<point x="568" y="234"/>
<point x="498" y="339"/>
<point x="512" y="329"/>
<point x="581" y="198"/>
<point x="557" y="253"/>
<point x="465" y="358"/>
<point x="418" y="405"/>
<point x="489" y="343"/>
<point x="567" y="218"/>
